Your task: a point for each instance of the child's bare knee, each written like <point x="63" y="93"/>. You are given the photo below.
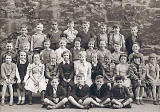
<point x="130" y="99"/>
<point x="65" y="100"/>
<point x="46" y="100"/>
<point x="70" y="98"/>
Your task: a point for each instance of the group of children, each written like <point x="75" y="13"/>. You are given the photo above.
<point x="79" y="68"/>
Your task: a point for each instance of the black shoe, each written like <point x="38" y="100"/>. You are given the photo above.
<point x="19" y="102"/>
<point x="155" y="103"/>
<point x="44" y="106"/>
<point x="22" y="102"/>
<point x="141" y="102"/>
<point x="128" y="106"/>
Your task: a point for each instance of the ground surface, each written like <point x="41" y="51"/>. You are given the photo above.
<point x="148" y="107"/>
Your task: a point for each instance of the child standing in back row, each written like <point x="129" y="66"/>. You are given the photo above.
<point x="38" y="39"/>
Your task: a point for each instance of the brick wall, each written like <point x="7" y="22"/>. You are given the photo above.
<point x="146" y="13"/>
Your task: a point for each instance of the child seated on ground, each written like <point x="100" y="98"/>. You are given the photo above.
<point x="121" y="97"/>
<point x="153" y="77"/>
<point x="22" y="65"/>
<point x="54" y="95"/>
<point x="66" y="71"/>
<point x="100" y="92"/>
<point x="80" y="94"/>
<point x="77" y="48"/>
<point x="51" y="69"/>
<point x="9" y="73"/>
<point x="46" y="52"/>
<point x="137" y="72"/>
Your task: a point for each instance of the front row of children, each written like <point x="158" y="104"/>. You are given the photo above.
<point x="83" y="96"/>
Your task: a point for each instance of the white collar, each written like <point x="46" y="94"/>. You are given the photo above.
<point x="68" y="62"/>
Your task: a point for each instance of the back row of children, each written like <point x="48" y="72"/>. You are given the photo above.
<point x="67" y="68"/>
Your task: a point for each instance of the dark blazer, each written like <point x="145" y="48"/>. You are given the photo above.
<point x="120" y="92"/>
<point x="59" y="94"/>
<point x="103" y="93"/>
<point x="82" y="93"/>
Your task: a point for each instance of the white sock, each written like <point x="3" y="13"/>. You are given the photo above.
<point x="140" y="98"/>
<point x="23" y="98"/>
<point x="19" y="98"/>
<point x="137" y="98"/>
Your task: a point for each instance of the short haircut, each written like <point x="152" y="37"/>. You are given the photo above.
<point x="116" y="26"/>
<point x="55" y="77"/>
<point x="123" y="54"/>
<point x="77" y="39"/>
<point x="119" y="77"/>
<point x="47" y="40"/>
<point x="23" y="26"/>
<point x="85" y="22"/>
<point x="99" y="77"/>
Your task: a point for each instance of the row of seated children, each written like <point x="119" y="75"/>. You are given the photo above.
<point x="32" y="77"/>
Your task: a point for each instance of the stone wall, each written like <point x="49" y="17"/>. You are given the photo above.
<point x="146" y="13"/>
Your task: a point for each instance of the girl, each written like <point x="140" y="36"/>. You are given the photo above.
<point x="35" y="79"/>
<point x="96" y="67"/>
<point x="9" y="72"/>
<point x="122" y="69"/>
<point x="66" y="70"/>
<point x="137" y="72"/>
<point x="51" y="68"/>
<point x="22" y="65"/>
<point x="83" y="67"/>
<point x="90" y="49"/>
<point x="153" y="75"/>
<point x="61" y="49"/>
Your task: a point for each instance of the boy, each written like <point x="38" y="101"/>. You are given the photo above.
<point x="103" y="51"/>
<point x="38" y="39"/>
<point x="61" y="49"/>
<point x="132" y="38"/>
<point x="80" y="94"/>
<point x="23" y="38"/>
<point x="121" y="97"/>
<point x="9" y="51"/>
<point x="66" y="70"/>
<point x="90" y="49"/>
<point x="85" y="34"/>
<point x="71" y="34"/>
<point x="100" y="92"/>
<point x="135" y="49"/>
<point x="54" y="95"/>
<point x="116" y="37"/>
<point x="77" y="48"/>
<point x="54" y="35"/>
<point x="26" y="48"/>
<point x="51" y="69"/>
<point x="116" y="54"/>
<point x="103" y="35"/>
<point x="46" y="52"/>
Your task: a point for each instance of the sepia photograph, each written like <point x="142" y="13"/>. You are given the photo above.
<point x="79" y="55"/>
